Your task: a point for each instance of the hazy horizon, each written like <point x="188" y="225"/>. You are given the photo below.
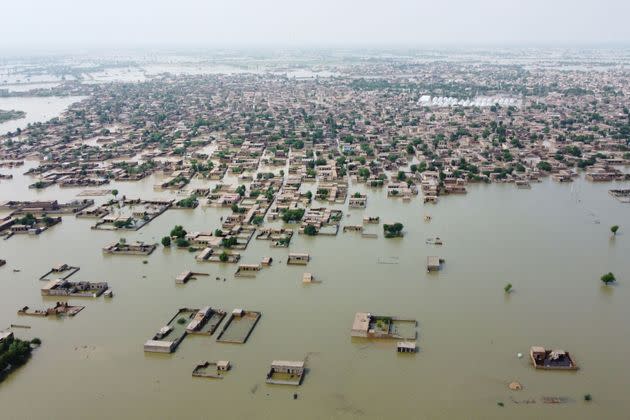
<point x="45" y="25"/>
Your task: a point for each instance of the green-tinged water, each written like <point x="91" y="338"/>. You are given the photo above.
<point x="551" y="242"/>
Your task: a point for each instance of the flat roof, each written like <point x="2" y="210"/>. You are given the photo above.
<point x="361" y="321"/>
<point x="432" y="260"/>
<point x="288" y="363"/>
<point x="158" y="343"/>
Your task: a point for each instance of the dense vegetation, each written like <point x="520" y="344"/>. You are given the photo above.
<point x="393" y="231"/>
<point x="11" y="115"/>
<point x="13" y="353"/>
<point x="294" y="215"/>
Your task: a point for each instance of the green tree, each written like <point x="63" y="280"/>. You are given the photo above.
<point x="182" y="243"/>
<point x="166" y="241"/>
<point x="310" y="230"/>
<point x="28" y="220"/>
<point x="293" y="215"/>
<point x="614" y="229"/>
<point x="229" y="242"/>
<point x="114" y="193"/>
<point x="392" y="231"/>
<point x="178" y="231"/>
<point x="224" y="257"/>
<point x="608" y="278"/>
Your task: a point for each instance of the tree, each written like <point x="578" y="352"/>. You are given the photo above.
<point x="178" y="231"/>
<point x="223" y="257"/>
<point x="236" y="209"/>
<point x="28" y="220"/>
<point x="120" y="224"/>
<point x="508" y="288"/>
<point x="114" y="193"/>
<point x="294" y="215"/>
<point x="614" y="229"/>
<point x="392" y="231"/>
<point x="310" y="230"/>
<point x="608" y="278"/>
<point x="166" y="241"/>
<point x="188" y="203"/>
<point x="258" y="220"/>
<point x="13" y="353"/>
<point x="364" y="173"/>
<point x="229" y="242"/>
<point x="182" y="243"/>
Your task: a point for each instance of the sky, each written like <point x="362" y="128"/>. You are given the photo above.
<point x="51" y="24"/>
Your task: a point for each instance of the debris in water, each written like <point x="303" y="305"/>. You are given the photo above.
<point x="515" y="386"/>
<point x="554" y="400"/>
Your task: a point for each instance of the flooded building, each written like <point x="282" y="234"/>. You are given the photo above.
<point x="285" y="372"/>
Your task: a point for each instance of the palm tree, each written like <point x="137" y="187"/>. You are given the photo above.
<point x="614" y="229"/>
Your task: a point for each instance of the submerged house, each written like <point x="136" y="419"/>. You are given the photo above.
<point x="284" y="372"/>
<point x="367" y="325"/>
<point x="300" y="259"/>
<point x="551" y="359"/>
<point x="434" y="263"/>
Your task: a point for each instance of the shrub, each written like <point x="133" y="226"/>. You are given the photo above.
<point x="229" y="242"/>
<point x="310" y="230"/>
<point x="294" y="215"/>
<point x="182" y="243"/>
<point x="608" y="278"/>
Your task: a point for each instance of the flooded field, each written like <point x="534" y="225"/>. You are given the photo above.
<point x="552" y="243"/>
<point x="37" y="109"/>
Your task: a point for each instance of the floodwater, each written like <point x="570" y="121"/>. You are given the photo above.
<point x="551" y="242"/>
<point x="36" y="108"/>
